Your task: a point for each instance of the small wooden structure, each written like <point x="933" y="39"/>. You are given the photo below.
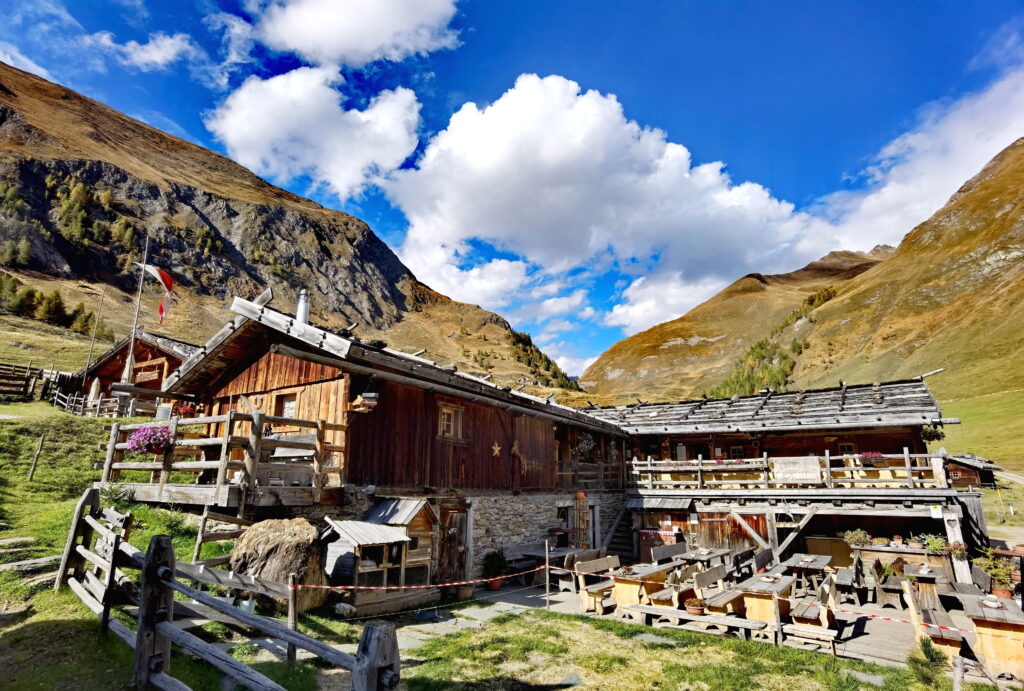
<point x="421" y="523"/>
<point x="968" y="470"/>
<point x="371" y="555"/>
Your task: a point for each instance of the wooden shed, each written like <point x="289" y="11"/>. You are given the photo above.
<point x="154" y="357"/>
<point x="421" y="523"/>
<point x="372" y="555"/>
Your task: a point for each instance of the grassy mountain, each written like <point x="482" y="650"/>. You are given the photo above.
<point x="696" y="352"/>
<point x="82" y="186"/>
<point x="950" y="296"/>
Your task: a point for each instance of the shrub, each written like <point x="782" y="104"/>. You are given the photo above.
<point x="494" y="564"/>
<point x="1000" y="568"/>
<point x="24" y="302"/>
<point x="857" y="538"/>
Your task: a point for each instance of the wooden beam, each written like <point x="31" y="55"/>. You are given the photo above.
<point x="799" y="529"/>
<point x="143" y="392"/>
<point x="750" y="531"/>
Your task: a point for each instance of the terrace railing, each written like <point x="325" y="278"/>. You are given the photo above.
<point x="233" y="450"/>
<point x="879" y="471"/>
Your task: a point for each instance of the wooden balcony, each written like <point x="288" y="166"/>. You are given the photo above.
<point x="904" y="471"/>
<point x="231" y="460"/>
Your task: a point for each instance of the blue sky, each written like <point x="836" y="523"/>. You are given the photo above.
<point x="584" y="168"/>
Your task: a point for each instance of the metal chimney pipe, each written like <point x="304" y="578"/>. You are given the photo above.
<point x="302" y="307"/>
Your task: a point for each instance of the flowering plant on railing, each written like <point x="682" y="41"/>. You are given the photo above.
<point x="187" y="409"/>
<point x="872" y="455"/>
<point x="150" y="440"/>
<point x="958" y="550"/>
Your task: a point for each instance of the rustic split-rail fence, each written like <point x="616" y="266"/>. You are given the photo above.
<point x="93" y="565"/>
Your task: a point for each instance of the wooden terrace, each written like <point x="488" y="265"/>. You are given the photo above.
<point x="231" y="460"/>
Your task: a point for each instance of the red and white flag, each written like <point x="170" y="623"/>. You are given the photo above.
<point x="167" y="281"/>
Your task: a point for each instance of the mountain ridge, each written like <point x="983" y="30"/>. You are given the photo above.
<point x="85" y="183"/>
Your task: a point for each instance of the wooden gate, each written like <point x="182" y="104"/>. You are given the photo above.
<point x="451" y="561"/>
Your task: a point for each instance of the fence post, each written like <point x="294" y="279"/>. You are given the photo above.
<point x="156" y="605"/>
<point x="115" y="437"/>
<point x="293" y="614"/>
<point x="379" y="665"/>
<point x="35" y="458"/>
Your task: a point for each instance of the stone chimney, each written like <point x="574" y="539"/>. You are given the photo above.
<point x="302" y="307"/>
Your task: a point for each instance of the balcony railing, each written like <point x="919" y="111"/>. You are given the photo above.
<point x="878" y="471"/>
<point x="229" y="451"/>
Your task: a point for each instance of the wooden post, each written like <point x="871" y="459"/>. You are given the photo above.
<point x="951" y="521"/>
<point x="293" y="614"/>
<point x="765" y="460"/>
<point x="379" y="665"/>
<point x="156" y="605"/>
<point x="906" y="464"/>
<point x="828" y="469"/>
<point x="225" y="454"/>
<point x="35" y="458"/>
<point x="547" y="574"/>
<point x="109" y="474"/>
<point x="958" y="673"/>
<point x="253" y="456"/>
<point x="197" y="550"/>
<point x="88" y="504"/>
<point x="700" y="471"/>
<point x="111" y="581"/>
<point x="318" y="459"/>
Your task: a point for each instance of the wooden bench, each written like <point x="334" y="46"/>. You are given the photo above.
<point x="677" y="585"/>
<point x="928" y="621"/>
<point x="666" y="552"/>
<point x="592" y="595"/>
<point x="671" y="618"/>
<point x="517" y="561"/>
<point x="982" y="583"/>
<point x="762" y="560"/>
<point x="814" y="635"/>
<point x="566" y="578"/>
<point x="718" y="599"/>
<point x="850" y="581"/>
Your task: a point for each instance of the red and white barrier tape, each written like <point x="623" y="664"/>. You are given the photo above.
<point x="412" y="587"/>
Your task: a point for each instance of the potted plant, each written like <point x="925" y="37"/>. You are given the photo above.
<point x="897" y="540"/>
<point x="880" y="541"/>
<point x="495" y="566"/>
<point x="694" y="605"/>
<point x="1001" y="570"/>
<point x="958" y="550"/>
<point x="935" y="545"/>
<point x="463" y="592"/>
<point x="857" y="538"/>
<point x="915" y="542"/>
<point x="187" y="409"/>
<point x="150" y="440"/>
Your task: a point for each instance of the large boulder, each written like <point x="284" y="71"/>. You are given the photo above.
<point x="274" y="549"/>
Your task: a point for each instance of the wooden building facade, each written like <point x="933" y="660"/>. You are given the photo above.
<point x="154" y="357"/>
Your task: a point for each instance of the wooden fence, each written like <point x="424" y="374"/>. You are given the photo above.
<point x="18" y="380"/>
<point x="891" y="471"/>
<point x="77" y="403"/>
<point x="95" y="557"/>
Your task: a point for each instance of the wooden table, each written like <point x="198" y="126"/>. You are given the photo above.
<point x="703" y="559"/>
<point x="927" y="593"/>
<point x="556" y="556"/>
<point x="807" y="566"/>
<point x="628" y="590"/>
<point x="767" y="600"/>
<point x="1000" y="634"/>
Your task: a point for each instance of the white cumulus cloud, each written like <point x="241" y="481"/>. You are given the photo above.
<point x="356" y="32"/>
<point x="10" y="54"/>
<point x="158" y="52"/>
<point x="295" y="124"/>
<point x="560" y="176"/>
<point x="917" y="172"/>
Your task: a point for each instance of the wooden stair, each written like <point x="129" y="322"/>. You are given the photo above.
<point x="621" y="541"/>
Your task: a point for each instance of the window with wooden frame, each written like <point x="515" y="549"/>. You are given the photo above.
<point x="736" y="452"/>
<point x="286" y="405"/>
<point x="449" y="421"/>
<point x="847" y="449"/>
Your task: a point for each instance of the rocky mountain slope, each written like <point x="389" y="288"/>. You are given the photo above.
<point x="83" y="185"/>
<point x="694" y="353"/>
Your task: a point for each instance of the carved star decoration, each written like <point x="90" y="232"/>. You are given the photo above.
<point x="495" y="449"/>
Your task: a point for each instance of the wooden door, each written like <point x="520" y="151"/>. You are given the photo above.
<point x="451" y="560"/>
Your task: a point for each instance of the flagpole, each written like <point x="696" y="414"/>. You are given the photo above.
<point x="125" y="377"/>
<point x="92" y="343"/>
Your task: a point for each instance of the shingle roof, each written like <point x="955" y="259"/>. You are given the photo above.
<point x="395" y="511"/>
<point x="363" y="533"/>
<point x="169" y="345"/>
<point x="255" y="322"/>
<point x="897" y="403"/>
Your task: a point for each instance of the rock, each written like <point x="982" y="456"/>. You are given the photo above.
<point x="273" y="549"/>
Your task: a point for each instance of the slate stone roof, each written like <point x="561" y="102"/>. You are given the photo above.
<point x="887" y="404"/>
